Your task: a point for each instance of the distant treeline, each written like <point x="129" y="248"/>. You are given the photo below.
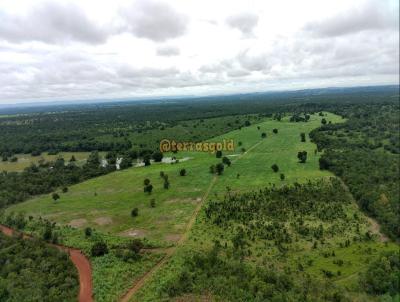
<point x="104" y="127"/>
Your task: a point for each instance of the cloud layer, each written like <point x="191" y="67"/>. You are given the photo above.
<point x="89" y="49"/>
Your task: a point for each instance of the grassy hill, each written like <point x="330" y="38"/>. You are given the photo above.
<point x="105" y="202"/>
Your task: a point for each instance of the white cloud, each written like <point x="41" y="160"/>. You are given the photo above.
<point x="245" y="22"/>
<point x="74" y="49"/>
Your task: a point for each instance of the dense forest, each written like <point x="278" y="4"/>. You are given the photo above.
<point x="364" y="153"/>
<point x="31" y="271"/>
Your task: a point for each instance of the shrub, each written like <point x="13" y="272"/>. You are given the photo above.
<point x="99" y="249"/>
<point x="135" y="212"/>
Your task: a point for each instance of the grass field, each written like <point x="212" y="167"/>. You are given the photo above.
<point x="106" y="202"/>
<point x="25" y="160"/>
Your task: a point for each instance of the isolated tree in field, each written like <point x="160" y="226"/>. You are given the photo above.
<point x="146" y="182"/>
<point x="152" y="203"/>
<point x="157" y="156"/>
<point x="275" y="131"/>
<point x="88" y="232"/>
<point x="302" y="156"/>
<point x="166" y="181"/>
<point x="219" y="168"/>
<point x="182" y="172"/>
<point x="303" y="137"/>
<point x="226" y="161"/>
<point x="240" y="143"/>
<point x="135" y="212"/>
<point x="162" y="174"/>
<point x="243" y="150"/>
<point x="275" y="168"/>
<point x="148" y="188"/>
<point x="323" y="121"/>
<point x="282" y="176"/>
<point x="72" y="159"/>
<point x="218" y="154"/>
<point x="263" y="135"/>
<point x="99" y="249"/>
<point x="258" y="128"/>
<point x="55" y="196"/>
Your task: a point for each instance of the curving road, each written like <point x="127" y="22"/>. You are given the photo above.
<point x="80" y="261"/>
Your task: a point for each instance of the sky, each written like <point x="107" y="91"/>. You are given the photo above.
<point x="89" y="49"/>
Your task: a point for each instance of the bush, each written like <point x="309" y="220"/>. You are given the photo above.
<point x="88" y="232"/>
<point x="135" y="212"/>
<point x="99" y="249"/>
<point x="55" y="196"/>
<point x="275" y="168"/>
<point x="182" y="172"/>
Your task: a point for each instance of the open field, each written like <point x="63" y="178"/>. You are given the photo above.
<point x="25" y="160"/>
<point x="106" y="202"/>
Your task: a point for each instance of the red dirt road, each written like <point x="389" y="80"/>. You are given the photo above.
<point x="80" y="261"/>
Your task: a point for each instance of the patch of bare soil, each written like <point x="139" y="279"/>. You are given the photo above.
<point x="375" y="229"/>
<point x="77" y="223"/>
<point x="134" y="233"/>
<point x="103" y="220"/>
<point x="172" y="237"/>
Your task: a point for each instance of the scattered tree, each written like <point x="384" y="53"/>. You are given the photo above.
<point x="275" y="168"/>
<point x="226" y="161"/>
<point x="302" y="156"/>
<point x="218" y="154"/>
<point x="282" y="176"/>
<point x="182" y="172"/>
<point x="135" y="212"/>
<point x="55" y="196"/>
<point x="99" y="249"/>
<point x="88" y="232"/>
<point x="303" y="137"/>
<point x="219" y="168"/>
<point x="275" y="131"/>
<point x="263" y="135"/>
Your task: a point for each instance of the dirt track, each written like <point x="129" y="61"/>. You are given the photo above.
<point x="170" y="252"/>
<point x="80" y="261"/>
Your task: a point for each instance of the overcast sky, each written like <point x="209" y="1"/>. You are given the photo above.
<point x="86" y="49"/>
